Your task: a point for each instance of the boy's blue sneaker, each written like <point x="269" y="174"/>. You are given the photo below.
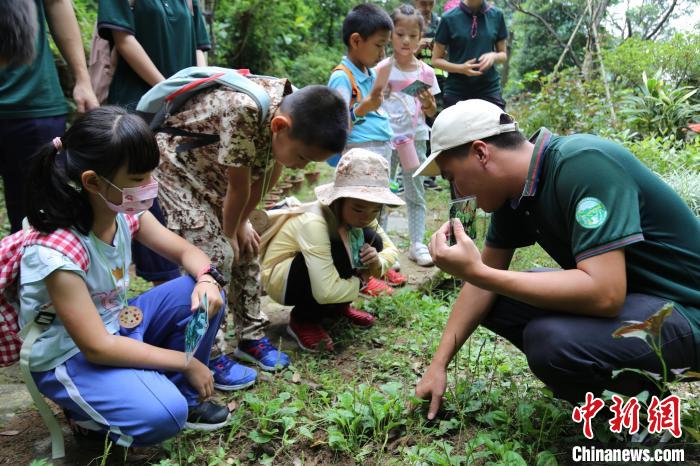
<point x="229" y="375"/>
<point x="262" y="353"/>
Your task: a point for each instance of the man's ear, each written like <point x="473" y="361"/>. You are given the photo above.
<point x="481" y="151"/>
<point x="280" y="122"/>
<point x="91" y="181"/>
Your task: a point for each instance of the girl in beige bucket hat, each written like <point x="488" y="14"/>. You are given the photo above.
<point x="324" y="258"/>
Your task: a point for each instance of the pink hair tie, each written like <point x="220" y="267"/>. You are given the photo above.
<point x="58" y="144"/>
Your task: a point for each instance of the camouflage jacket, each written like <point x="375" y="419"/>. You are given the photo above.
<point x="190" y="179"/>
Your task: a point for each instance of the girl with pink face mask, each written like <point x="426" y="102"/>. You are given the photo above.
<point x="115" y="365"/>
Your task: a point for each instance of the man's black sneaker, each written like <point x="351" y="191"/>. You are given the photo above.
<point x="207" y="416"/>
<point x="430" y="183"/>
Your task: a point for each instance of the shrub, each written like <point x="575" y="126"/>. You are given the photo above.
<point x="660" y="109"/>
<point x="565" y="103"/>
<point x="686" y="183"/>
<point x="677" y="56"/>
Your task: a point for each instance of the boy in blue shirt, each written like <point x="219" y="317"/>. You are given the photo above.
<point x="366" y="32"/>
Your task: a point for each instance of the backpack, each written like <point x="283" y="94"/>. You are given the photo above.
<point x="17" y="346"/>
<point x="12" y="348"/>
<point x="166" y="97"/>
<point x="103" y="60"/>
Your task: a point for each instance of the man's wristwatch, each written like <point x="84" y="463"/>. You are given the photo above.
<point x="214" y="272"/>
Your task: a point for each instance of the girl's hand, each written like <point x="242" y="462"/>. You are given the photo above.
<point x="427" y="102"/>
<point x="207" y="285"/>
<point x="200" y="377"/>
<point x="369" y="255"/>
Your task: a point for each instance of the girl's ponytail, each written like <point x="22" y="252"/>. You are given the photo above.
<point x="52" y="200"/>
<point x="102" y="140"/>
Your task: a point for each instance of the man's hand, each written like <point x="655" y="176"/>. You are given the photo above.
<point x="431" y="387"/>
<point x="486" y="61"/>
<point x="84" y="96"/>
<point x="248" y="240"/>
<point x="471" y="68"/>
<point x="463" y="259"/>
<point x="200" y="377"/>
<point x="426" y="43"/>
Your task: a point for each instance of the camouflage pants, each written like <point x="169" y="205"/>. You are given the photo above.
<point x="243" y="294"/>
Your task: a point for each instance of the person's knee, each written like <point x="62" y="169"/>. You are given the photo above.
<point x="161" y="420"/>
<point x="546" y="344"/>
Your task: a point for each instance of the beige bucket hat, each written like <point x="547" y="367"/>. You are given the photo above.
<point x="360" y="174"/>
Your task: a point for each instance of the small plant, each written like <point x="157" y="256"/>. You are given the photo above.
<point x="363" y="415"/>
<point x="650" y="331"/>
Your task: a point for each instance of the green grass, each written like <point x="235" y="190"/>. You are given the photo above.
<point x="354" y="406"/>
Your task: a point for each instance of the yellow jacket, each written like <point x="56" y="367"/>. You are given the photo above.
<point x="308" y="233"/>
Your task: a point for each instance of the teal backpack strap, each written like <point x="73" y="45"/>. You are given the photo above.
<point x="29" y="334"/>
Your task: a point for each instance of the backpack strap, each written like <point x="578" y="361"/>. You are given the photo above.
<point x="356" y="95"/>
<point x="134" y="223"/>
<point x="65" y="242"/>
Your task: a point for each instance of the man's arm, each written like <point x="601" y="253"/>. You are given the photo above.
<point x="66" y="33"/>
<point x="137" y="58"/>
<point x="597" y="287"/>
<point x="470" y="308"/>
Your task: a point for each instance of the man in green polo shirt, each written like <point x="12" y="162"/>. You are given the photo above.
<point x="627" y="244"/>
<point x="32" y="106"/>
<point x="473" y="36"/>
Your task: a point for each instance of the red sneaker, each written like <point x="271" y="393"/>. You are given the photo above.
<point x="356" y="316"/>
<point x="375" y="287"/>
<point x="394" y="278"/>
<point x="310" y="336"/>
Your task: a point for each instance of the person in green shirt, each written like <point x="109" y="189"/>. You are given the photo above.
<point x="469" y="40"/>
<point x="154" y="40"/>
<point x="627" y="244"/>
<point x="32" y="106"/>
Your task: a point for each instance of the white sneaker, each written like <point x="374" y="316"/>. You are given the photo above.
<point x="418" y="253"/>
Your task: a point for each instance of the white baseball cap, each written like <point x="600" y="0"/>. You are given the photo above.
<point x="466" y="121"/>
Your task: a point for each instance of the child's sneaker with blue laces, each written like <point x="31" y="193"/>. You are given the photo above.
<point x="262" y="353"/>
<point x="229" y="375"/>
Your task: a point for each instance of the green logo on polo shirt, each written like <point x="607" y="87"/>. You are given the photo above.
<point x="591" y="213"/>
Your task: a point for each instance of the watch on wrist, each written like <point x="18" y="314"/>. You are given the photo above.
<point x="215" y="273"/>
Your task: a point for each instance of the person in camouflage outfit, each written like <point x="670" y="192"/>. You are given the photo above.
<point x="207" y="193"/>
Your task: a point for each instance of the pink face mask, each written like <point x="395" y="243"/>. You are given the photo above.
<point x="134" y="200"/>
